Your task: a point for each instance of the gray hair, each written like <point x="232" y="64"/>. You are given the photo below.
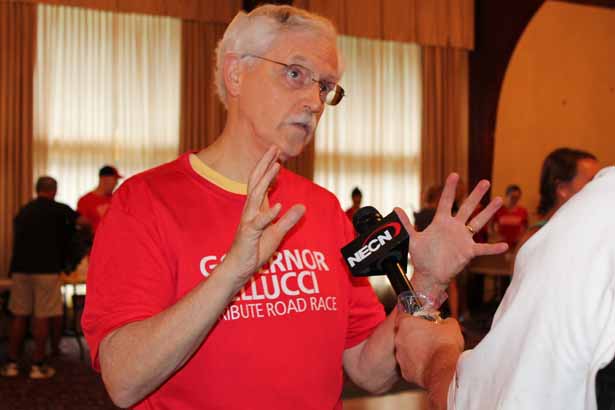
<point x="255" y="33"/>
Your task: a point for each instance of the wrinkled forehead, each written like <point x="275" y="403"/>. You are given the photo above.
<point x="316" y="52"/>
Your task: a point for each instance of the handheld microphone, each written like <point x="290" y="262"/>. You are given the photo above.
<point x="381" y="248"/>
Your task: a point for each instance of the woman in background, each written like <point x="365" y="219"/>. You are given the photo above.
<point x="565" y="172"/>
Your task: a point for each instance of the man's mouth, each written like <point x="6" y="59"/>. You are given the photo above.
<point x="305" y="127"/>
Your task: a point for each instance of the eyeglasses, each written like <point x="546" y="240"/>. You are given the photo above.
<point x="298" y="76"/>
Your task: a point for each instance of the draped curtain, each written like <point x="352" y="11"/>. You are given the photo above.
<point x="443" y="23"/>
<point x="17" y="53"/>
<point x="445" y="31"/>
<point x="437" y="25"/>
<point x="372" y="138"/>
<point x="202" y="113"/>
<point x="106" y="92"/>
<point x="444" y="135"/>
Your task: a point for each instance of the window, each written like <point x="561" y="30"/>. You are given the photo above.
<point x="372" y="139"/>
<point x="106" y="92"/>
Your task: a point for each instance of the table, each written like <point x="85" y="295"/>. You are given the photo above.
<point x="73" y="279"/>
<point x="497" y="267"/>
<point x="5" y="284"/>
<point x="494" y="265"/>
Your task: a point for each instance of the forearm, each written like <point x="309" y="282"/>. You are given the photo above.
<point x="138" y="357"/>
<point x="439" y="375"/>
<point x="372" y="365"/>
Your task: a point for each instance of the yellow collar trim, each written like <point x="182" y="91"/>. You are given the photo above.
<point x="216" y="178"/>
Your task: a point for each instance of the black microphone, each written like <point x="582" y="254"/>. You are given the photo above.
<point x="380" y="248"/>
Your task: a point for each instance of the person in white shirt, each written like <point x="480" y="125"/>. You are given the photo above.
<point x="555" y="327"/>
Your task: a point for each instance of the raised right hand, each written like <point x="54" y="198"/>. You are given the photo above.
<point x="257" y="237"/>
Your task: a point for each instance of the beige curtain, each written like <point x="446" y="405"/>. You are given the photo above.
<point x="17" y="53"/>
<point x="372" y="138"/>
<point x="202" y="113"/>
<point x="106" y="92"/>
<point x="444" y="135"/>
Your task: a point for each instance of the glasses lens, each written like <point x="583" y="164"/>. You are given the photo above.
<point x="335" y="96"/>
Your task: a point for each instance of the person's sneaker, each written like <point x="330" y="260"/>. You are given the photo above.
<point x="41" y="372"/>
<point x="9" y="369"/>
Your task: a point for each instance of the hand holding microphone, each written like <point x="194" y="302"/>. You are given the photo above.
<point x="381" y="248"/>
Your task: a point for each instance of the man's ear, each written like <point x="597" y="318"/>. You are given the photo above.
<point x="562" y="191"/>
<point x="232" y="74"/>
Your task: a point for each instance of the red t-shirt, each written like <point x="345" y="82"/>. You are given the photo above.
<point x="94" y="207"/>
<point x="350" y="213"/>
<point x="278" y="346"/>
<point x="511" y="223"/>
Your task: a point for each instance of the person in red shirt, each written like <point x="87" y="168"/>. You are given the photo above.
<point x="216" y="280"/>
<point x="95" y="204"/>
<point x="511" y="220"/>
<point x="357" y="197"/>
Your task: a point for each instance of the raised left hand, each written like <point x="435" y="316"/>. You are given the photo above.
<point x="446" y="246"/>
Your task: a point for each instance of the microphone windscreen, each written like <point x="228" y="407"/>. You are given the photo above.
<point x="366" y="219"/>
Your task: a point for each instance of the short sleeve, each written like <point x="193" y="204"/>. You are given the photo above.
<point x="129" y="278"/>
<point x="365" y="310"/>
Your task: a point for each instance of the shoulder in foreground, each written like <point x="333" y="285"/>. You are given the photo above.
<point x="159" y="176"/>
<point x="527" y="235"/>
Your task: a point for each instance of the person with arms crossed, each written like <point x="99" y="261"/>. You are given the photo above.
<point x="220" y="273"/>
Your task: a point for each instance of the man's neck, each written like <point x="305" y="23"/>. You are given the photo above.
<point x="234" y="153"/>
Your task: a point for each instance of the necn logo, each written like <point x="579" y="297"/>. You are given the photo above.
<point x="375" y="241"/>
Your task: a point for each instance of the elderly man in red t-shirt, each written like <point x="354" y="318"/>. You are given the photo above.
<point x="216" y="281"/>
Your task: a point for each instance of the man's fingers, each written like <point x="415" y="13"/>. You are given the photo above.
<point x="256" y="195"/>
<point x="405" y="221"/>
<point x="485" y="215"/>
<point x="262" y="165"/>
<point x="273" y="234"/>
<point x="264" y="218"/>
<point x="481" y="249"/>
<point x="469" y="205"/>
<point x="290" y="219"/>
<point x="445" y="204"/>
